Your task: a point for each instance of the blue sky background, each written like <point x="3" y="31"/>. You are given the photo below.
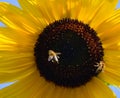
<point x="115" y="89"/>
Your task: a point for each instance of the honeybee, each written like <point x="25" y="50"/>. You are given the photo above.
<point x="100" y="66"/>
<point x="53" y="56"/>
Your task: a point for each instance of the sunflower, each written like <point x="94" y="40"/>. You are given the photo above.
<point x="60" y="48"/>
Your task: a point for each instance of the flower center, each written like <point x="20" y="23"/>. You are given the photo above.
<point x="68" y="53"/>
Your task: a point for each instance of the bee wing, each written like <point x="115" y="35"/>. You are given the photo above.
<point x="58" y="53"/>
<point x="50" y="58"/>
<point x="56" y="58"/>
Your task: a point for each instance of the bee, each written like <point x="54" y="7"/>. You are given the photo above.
<point x="53" y="56"/>
<point x="100" y="66"/>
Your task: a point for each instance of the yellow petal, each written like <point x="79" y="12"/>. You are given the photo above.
<point x="111" y="72"/>
<point x="16" y="40"/>
<point x="86" y="10"/>
<point x="10" y="77"/>
<point x="6" y="40"/>
<point x="83" y="92"/>
<point x="41" y="11"/>
<point x="104" y="10"/>
<point x="15" y="61"/>
<point x="15" y="18"/>
<point x="15" y="64"/>
<point x="110" y="36"/>
<point x="111" y="23"/>
<point x="112" y="58"/>
<point x="112" y="44"/>
<point x="32" y="86"/>
<point x="99" y="89"/>
<point x="35" y="86"/>
<point x="110" y="78"/>
<point x="20" y="87"/>
<point x="71" y="8"/>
